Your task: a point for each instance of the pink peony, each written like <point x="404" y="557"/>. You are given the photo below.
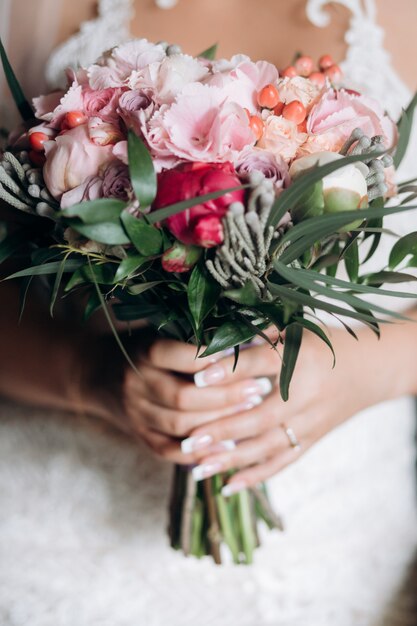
<point x="102" y="103"/>
<point x="242" y="82"/>
<point x="72" y="100"/>
<point x="168" y="78"/>
<point x="272" y="166"/>
<point x="119" y="66"/>
<point x="200" y="225"/>
<point x="281" y="137"/>
<point x="338" y="113"/>
<point x="200" y="126"/>
<point x="72" y="158"/>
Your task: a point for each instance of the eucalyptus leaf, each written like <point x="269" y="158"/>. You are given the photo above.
<point x="379" y="278"/>
<point x="139" y="288"/>
<point x="147" y="239"/>
<point x="142" y="171"/>
<point x="404" y="247"/>
<point x="292" y="344"/>
<point x="202" y="292"/>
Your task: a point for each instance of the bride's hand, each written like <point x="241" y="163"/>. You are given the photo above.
<point x="321" y="398"/>
<point x="159" y="402"/>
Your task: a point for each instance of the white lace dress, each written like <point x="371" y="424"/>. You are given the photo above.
<point x="83" y="512"/>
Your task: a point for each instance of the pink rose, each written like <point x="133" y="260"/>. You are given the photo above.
<point x="338" y="113"/>
<point x="134" y="106"/>
<point x="102" y="103"/>
<point x="281" y="137"/>
<point x="200" y="225"/>
<point x="72" y="158"/>
<point x="271" y="165"/>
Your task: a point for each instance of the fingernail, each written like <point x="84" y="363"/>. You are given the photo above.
<point x="222" y="446"/>
<point x="211" y="376"/>
<point x="192" y="444"/>
<point x="250" y="403"/>
<point x="232" y="488"/>
<point x="261" y="386"/>
<point x="205" y="471"/>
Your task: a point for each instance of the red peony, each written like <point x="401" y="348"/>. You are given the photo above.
<point x="201" y="225"/>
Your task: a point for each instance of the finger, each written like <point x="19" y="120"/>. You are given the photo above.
<point x="173" y="392"/>
<point x="247" y="424"/>
<point x="253" y="362"/>
<point x="176" y="356"/>
<point x="246" y="453"/>
<point x="179" y="423"/>
<point x="259" y="473"/>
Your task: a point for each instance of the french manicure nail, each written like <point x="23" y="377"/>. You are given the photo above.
<point x="223" y="446"/>
<point x="192" y="444"/>
<point x="250" y="403"/>
<point x="261" y="386"/>
<point x="232" y="488"/>
<point x="205" y="471"/>
<point x="210" y="376"/>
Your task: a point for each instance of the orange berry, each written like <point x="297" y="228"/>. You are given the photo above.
<point x="289" y="72"/>
<point x="268" y="97"/>
<point x="334" y="73"/>
<point x="325" y="61"/>
<point x="295" y="111"/>
<point x="74" y="118"/>
<point x="304" y="65"/>
<point x="257" y="125"/>
<point x="278" y="109"/>
<point x="302" y="128"/>
<point x="37" y="140"/>
<point x="317" y="78"/>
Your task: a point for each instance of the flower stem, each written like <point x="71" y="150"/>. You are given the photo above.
<point x="246" y="523"/>
<point x="213" y="530"/>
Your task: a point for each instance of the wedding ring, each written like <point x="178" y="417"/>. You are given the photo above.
<point x="292" y="437"/>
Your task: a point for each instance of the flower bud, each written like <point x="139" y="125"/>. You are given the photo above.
<point x="180" y="258"/>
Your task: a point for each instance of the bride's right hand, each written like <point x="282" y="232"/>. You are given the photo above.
<point x="159" y="402"/>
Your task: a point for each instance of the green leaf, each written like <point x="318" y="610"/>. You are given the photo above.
<point x="93" y="272"/>
<point x="246" y="295"/>
<point x="139" y="288"/>
<point x="209" y="53"/>
<point x="128" y="266"/>
<point x="173" y="209"/>
<point x="289" y="198"/>
<point x="21" y="101"/>
<point x="317" y="330"/>
<point x="402" y="248"/>
<point x="96" y="211"/>
<point x="93" y="304"/>
<point x="307" y="282"/>
<point x="203" y="293"/>
<point x="307" y="233"/>
<point x="109" y="233"/>
<point x="57" y="284"/>
<point x="142" y="171"/>
<point x="351" y="258"/>
<point x="405" y="125"/>
<point x="47" y="268"/>
<point x="292" y="344"/>
<point x="229" y="335"/>
<point x="131" y="312"/>
<point x="303" y="299"/>
<point x="379" y="278"/>
<point x="146" y="239"/>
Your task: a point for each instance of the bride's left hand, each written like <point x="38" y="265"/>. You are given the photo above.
<point x="321" y="398"/>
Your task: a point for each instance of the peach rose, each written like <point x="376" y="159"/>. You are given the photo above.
<point x="281" y="137"/>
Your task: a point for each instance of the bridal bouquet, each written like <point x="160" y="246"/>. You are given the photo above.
<point x="213" y="199"/>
